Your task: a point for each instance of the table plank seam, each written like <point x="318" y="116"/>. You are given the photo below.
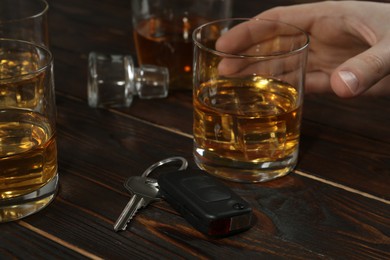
<point x="341" y="186"/>
<point x="59" y="241"/>
<point x="168" y="129"/>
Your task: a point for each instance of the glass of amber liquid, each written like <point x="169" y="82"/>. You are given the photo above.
<point x="162" y="32"/>
<point x="248" y="96"/>
<point x="28" y="153"/>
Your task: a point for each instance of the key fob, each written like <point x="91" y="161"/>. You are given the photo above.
<point x="205" y="202"/>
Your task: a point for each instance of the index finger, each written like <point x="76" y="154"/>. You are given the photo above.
<point x="245" y="35"/>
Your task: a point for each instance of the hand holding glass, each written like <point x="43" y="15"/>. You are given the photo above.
<point x="248" y="99"/>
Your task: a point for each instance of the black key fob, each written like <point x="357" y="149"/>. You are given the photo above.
<point x="206" y="203"/>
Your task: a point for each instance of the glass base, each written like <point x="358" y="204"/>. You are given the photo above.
<point x="23" y="206"/>
<point x="245" y="172"/>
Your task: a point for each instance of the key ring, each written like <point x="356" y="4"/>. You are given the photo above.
<point x="151" y="168"/>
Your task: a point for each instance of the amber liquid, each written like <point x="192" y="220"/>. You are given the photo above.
<point x="26" y="90"/>
<point x="168" y="43"/>
<point x="246" y="130"/>
<point x="28" y="154"/>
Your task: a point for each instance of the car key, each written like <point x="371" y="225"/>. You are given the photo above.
<point x="206" y="203"/>
<point x="144" y="191"/>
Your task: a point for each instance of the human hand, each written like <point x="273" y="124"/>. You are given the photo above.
<point x="349" y="49"/>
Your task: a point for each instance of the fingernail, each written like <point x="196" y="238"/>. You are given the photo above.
<point x="350" y="80"/>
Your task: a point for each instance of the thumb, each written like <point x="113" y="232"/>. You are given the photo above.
<point x="361" y="72"/>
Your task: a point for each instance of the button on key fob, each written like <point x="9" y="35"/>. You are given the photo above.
<point x="206" y="203"/>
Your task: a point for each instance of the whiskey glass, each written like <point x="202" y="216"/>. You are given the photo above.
<point x="248" y="96"/>
<point x="162" y="32"/>
<point x="28" y="151"/>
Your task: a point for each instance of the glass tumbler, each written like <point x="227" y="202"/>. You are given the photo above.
<point x="24" y="20"/>
<point x="162" y="32"/>
<point x="248" y="95"/>
<point x="28" y="152"/>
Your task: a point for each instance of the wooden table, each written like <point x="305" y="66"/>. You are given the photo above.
<point x="336" y="204"/>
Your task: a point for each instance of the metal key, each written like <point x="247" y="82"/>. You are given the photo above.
<point x="144" y="191"/>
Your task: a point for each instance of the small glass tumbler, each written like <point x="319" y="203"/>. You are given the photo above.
<point x="113" y="80"/>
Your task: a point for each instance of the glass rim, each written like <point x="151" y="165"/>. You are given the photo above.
<point x="35" y="15"/>
<point x="259" y="57"/>
<point x="41" y="68"/>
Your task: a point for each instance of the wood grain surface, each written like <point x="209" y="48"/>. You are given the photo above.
<point x="335" y="205"/>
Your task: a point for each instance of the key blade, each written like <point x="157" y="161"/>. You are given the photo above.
<point x="135" y="203"/>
